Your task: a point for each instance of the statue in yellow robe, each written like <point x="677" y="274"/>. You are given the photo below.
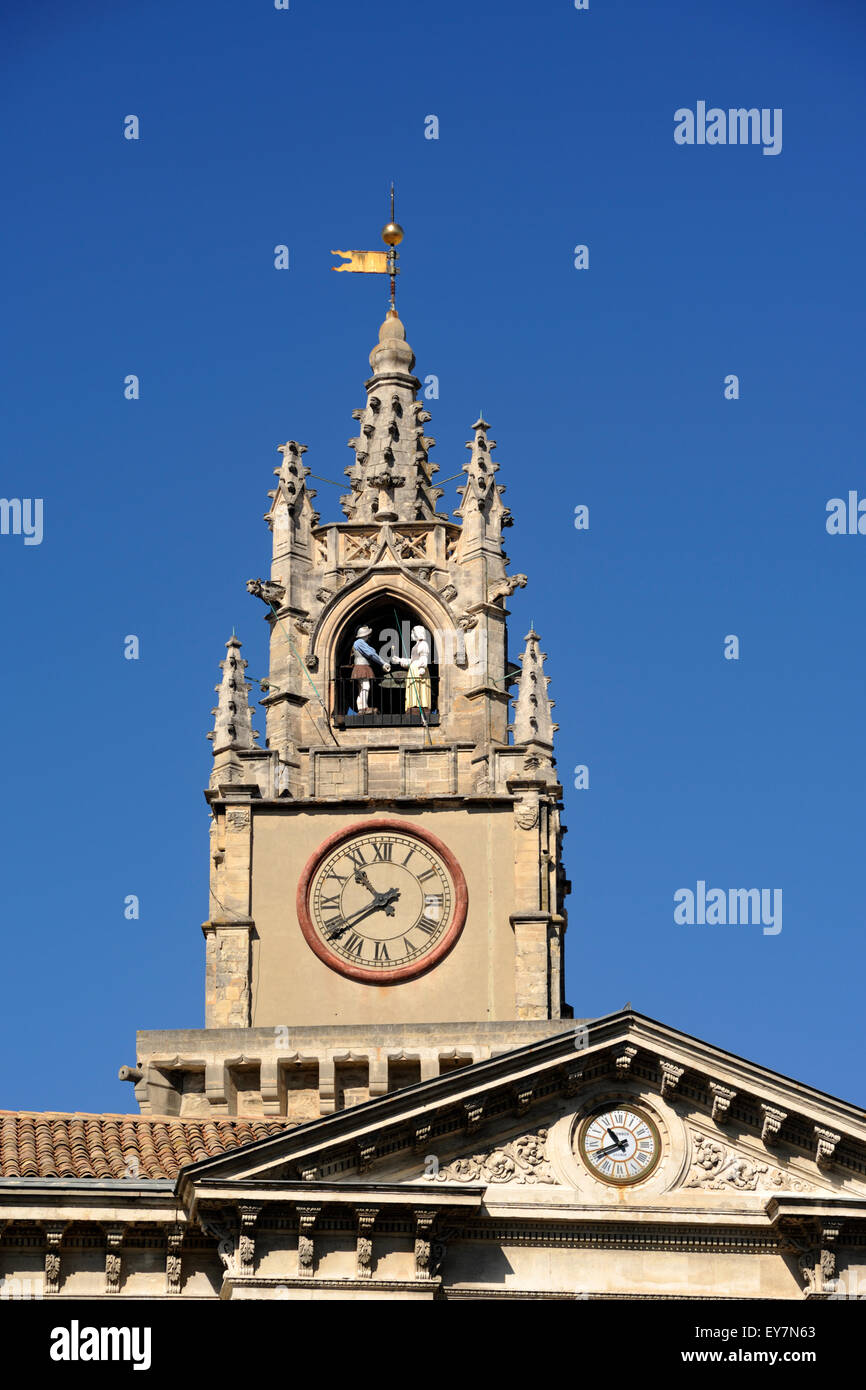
<point x="419" y="694"/>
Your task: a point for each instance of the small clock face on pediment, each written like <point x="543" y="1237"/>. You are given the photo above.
<point x="382" y="902"/>
<point x="619" y="1144"/>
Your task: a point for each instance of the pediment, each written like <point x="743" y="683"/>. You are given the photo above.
<point x="733" y="1135"/>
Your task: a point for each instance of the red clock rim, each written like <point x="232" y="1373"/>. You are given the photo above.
<point x="360" y="972"/>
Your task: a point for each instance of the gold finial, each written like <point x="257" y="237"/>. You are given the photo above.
<point x="392" y="234"/>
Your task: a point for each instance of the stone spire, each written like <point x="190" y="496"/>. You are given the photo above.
<point x="480" y="494"/>
<point x="291" y="500"/>
<point x="392" y="477"/>
<point x="233" y="728"/>
<point x="532" y="707"/>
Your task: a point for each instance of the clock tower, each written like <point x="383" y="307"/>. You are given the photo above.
<point x="386" y="882"/>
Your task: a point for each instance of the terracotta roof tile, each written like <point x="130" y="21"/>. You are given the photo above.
<point x="49" y="1145"/>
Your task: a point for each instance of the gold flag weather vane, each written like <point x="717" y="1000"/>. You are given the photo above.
<point x="377" y="262"/>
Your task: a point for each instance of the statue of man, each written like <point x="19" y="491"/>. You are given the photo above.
<point x="419" y="694"/>
<point x="362" y="671"/>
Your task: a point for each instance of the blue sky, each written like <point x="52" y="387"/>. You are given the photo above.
<point x="604" y="387"/>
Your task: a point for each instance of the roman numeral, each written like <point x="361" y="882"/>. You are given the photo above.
<point x="433" y="903"/>
<point x="334" y="925"/>
<point x="332" y="873"/>
<point x="357" y="857"/>
<point x="382" y="950"/>
<point x="427" y="926"/>
<point x="330" y="904"/>
<point x="408" y="947"/>
<point x="382" y="849"/>
<point x="431" y="873"/>
<point x="354" y="944"/>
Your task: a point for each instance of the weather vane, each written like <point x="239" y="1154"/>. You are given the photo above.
<point x="377" y="262"/>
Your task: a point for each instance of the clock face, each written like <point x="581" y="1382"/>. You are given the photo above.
<point x="619" y="1144"/>
<point x="382" y="901"/>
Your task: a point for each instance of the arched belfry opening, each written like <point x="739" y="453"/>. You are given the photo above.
<point x="385" y="669"/>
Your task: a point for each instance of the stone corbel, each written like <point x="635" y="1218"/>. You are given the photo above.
<point x="173" y="1259"/>
<point x="572" y="1079"/>
<point x="425" y="1221"/>
<point x="522" y="1097"/>
<point x="366" y="1154"/>
<point x="826" y="1142"/>
<point x="812" y="1243"/>
<point x="306" y="1240"/>
<point x="671" y="1075"/>
<point x="213" y="1224"/>
<point x="113" y="1257"/>
<point x="366" y="1220"/>
<point x="215" y="1084"/>
<point x="53" y="1241"/>
<point x="249" y="1214"/>
<point x="269" y="1084"/>
<point x="722" y="1097"/>
<point x="473" y="1111"/>
<point x="421" y="1136"/>
<point x="625" y="1058"/>
<point x="773" y="1121"/>
<point x="327" y="1086"/>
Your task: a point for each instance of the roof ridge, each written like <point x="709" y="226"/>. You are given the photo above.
<point x="144" y="1119"/>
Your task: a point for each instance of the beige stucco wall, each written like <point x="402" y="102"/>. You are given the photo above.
<point x="291" y="985"/>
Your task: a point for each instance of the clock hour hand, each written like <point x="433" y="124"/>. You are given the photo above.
<point x="361" y="877"/>
<point x="618" y="1144"/>
<point x="381" y="899"/>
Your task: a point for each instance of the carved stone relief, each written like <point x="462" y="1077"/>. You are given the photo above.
<point x="717" y="1168"/>
<point x="523" y="1160"/>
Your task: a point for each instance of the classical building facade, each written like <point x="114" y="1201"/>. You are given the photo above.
<point x="391" y="1097"/>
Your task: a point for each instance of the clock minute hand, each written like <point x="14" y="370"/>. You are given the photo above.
<point x="620" y="1143"/>
<point x="382" y="900"/>
<point x="351" y="921"/>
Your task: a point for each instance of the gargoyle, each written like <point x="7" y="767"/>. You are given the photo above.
<point x="503" y="588"/>
<point x="270" y="591"/>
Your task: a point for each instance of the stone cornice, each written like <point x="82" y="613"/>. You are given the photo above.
<point x="386" y="1196"/>
<point x="292" y="805"/>
<point x="654" y="1051"/>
